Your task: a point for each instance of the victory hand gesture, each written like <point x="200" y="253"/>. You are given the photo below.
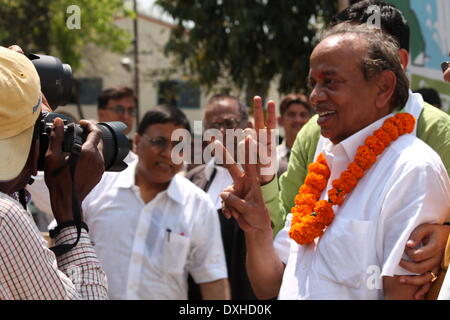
<point x="266" y="140"/>
<point x="243" y="200"/>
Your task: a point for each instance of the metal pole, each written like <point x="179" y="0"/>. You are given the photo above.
<point x="136" y="62"/>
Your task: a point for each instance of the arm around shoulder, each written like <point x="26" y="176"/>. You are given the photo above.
<point x="395" y="290"/>
<point x="434" y="129"/>
<point x="215" y="290"/>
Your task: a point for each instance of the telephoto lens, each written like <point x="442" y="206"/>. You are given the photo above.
<point x="116" y="145"/>
<point x="56" y="79"/>
<point x="56" y="85"/>
<point x="444" y="66"/>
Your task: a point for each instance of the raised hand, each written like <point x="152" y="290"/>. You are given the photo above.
<point x="265" y="133"/>
<point x="243" y="201"/>
<point x="90" y="168"/>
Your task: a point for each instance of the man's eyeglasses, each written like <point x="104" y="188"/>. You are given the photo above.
<point x="160" y="142"/>
<point x="230" y="123"/>
<point x="120" y="110"/>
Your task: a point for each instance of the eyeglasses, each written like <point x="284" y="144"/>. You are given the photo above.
<point x="160" y="142"/>
<point x="230" y="123"/>
<point x="120" y="110"/>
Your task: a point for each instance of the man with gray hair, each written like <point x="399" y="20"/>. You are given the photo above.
<point x="433" y="127"/>
<point x="224" y="112"/>
<point x="369" y="188"/>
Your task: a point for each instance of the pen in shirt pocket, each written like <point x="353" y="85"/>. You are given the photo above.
<point x="169" y="231"/>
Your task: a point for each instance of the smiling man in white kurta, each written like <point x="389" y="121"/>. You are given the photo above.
<point x="356" y="81"/>
<point x="404" y="189"/>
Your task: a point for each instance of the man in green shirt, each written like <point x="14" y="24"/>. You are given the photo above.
<point x="433" y="128"/>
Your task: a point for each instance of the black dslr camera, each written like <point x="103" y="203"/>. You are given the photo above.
<point x="56" y="85"/>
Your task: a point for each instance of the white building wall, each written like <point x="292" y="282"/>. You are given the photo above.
<point x="154" y="67"/>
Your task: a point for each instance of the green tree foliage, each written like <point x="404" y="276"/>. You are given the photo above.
<point x="41" y="26"/>
<point x="251" y="41"/>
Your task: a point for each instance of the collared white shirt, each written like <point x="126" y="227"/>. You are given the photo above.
<point x="282" y="150"/>
<point x="147" y="250"/>
<point x="282" y="158"/>
<point x="406" y="187"/>
<point x="221" y="181"/>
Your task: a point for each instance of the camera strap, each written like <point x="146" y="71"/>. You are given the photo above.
<point x="76" y="207"/>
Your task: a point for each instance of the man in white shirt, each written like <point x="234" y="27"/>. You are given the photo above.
<point x="225" y="112"/>
<point x="151" y="227"/>
<point x="295" y="112"/>
<point x="359" y="254"/>
<point x="117" y="104"/>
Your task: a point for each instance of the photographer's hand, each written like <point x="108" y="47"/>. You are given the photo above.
<point x="57" y="175"/>
<point x="89" y="170"/>
<point x="91" y="164"/>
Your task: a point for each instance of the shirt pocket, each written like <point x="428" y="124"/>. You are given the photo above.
<point x="343" y="252"/>
<point x="174" y="252"/>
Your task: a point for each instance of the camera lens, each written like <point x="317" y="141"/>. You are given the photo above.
<point x="56" y="79"/>
<point x="115" y="145"/>
<point x="444" y="66"/>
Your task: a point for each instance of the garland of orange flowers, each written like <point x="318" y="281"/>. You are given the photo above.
<point x="311" y="216"/>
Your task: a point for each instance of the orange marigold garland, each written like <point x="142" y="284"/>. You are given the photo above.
<point x="383" y="136"/>
<point x="311" y="216"/>
<point x="375" y="144"/>
<point x="391" y="130"/>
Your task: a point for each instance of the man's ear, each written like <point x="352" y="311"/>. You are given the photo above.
<point x="386" y="83"/>
<point x="404" y="58"/>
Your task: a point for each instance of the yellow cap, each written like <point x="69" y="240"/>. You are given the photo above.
<point x="20" y="106"/>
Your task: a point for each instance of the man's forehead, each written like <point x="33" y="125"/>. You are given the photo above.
<point x="222" y="106"/>
<point x="345" y="43"/>
<point x="336" y="53"/>
<point x="124" y="101"/>
<point x="162" y="129"/>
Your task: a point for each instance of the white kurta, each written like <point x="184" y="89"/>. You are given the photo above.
<point x="444" y="294"/>
<point x="407" y="186"/>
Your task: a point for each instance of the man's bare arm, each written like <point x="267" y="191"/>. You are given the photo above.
<point x="215" y="290"/>
<point x="264" y="267"/>
<point x="244" y="202"/>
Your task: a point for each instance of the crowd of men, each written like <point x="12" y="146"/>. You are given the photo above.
<point x="228" y="231"/>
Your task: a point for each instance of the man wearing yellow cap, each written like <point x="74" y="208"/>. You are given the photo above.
<point x="29" y="270"/>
